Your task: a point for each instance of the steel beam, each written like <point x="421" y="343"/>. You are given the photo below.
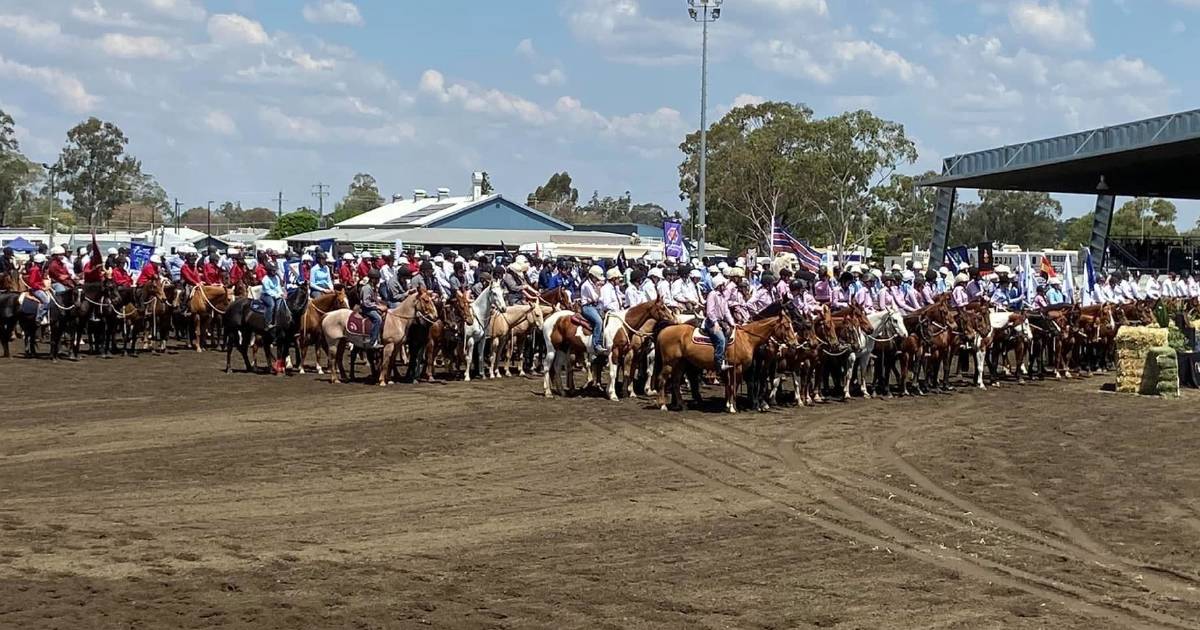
<point x="1101" y="222"/>
<point x="943" y="213"/>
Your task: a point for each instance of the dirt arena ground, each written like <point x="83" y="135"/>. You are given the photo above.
<point x="161" y="493"/>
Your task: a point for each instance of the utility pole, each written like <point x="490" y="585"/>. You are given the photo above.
<point x="704" y="11"/>
<point x="177" y="215"/>
<point x="50" y="218"/>
<point x="208" y="228"/>
<point x="279" y="212"/>
<point x="320" y="191"/>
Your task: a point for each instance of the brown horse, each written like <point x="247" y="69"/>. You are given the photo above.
<point x="446" y="335"/>
<point x="396" y="322"/>
<point x="207" y="300"/>
<point x="677" y="349"/>
<point x="309" y="331"/>
<point x="508" y="331"/>
<point x="634" y="339"/>
<point x="800" y="361"/>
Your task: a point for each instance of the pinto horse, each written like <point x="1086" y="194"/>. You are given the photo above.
<point x="678" y="347"/>
<point x="308" y="327"/>
<point x="631" y="339"/>
<point x="419" y="305"/>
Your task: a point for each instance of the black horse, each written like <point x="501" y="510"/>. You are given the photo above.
<point x="244" y="321"/>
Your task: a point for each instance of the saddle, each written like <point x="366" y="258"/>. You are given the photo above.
<point x="581" y="322"/>
<point x="700" y="338"/>
<point x="358" y="325"/>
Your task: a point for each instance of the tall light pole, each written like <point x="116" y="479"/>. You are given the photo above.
<point x="704" y="11"/>
<point x="50" y="218"/>
<point x="208" y="223"/>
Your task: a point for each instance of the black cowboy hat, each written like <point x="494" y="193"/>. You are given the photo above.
<point x="373" y="274"/>
<point x="426" y="266"/>
<point x="768" y="277"/>
<point x="805" y="275"/>
<point x="846" y="277"/>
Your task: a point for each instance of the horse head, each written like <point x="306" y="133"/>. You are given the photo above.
<point x="784" y="332"/>
<point x="426" y="307"/>
<point x="660" y="312"/>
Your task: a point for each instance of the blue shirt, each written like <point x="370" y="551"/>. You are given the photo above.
<point x="174" y="265"/>
<point x="1054" y="296"/>
<point x="271" y="287"/>
<point x="319" y="277"/>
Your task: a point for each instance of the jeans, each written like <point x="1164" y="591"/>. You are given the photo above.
<point x="269" y="302"/>
<point x="376" y="323"/>
<point x="717" y="335"/>
<point x="592" y="314"/>
<point x="40" y="294"/>
<point x="58" y="288"/>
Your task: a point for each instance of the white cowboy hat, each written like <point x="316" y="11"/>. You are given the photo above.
<point x="856" y="268"/>
<point x="656" y="273"/>
<point x="39" y="258"/>
<point x="717" y="282"/>
<point x="156" y="259"/>
<point x="403" y="260"/>
<point x="722" y="266"/>
<point x="1003" y="270"/>
<point x="112" y="251"/>
<point x="963" y="266"/>
<point x="735" y="272"/>
<point x="877" y="273"/>
<point x="1055" y="280"/>
<point x="962" y="277"/>
<point x="471" y="263"/>
<point x="613" y="274"/>
<point x="596" y="272"/>
<point x="945" y="271"/>
<point x="907" y="276"/>
<point x="58" y="251"/>
<point x="386" y="252"/>
<point x="515" y="267"/>
<point x="695" y="273"/>
<point x="992" y="277"/>
<point x="895" y="266"/>
<point x="917" y="266"/>
<point x="307" y="257"/>
<point x="440" y="259"/>
<point x="347" y="256"/>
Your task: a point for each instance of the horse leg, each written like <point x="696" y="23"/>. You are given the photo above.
<point x="548" y="369"/>
<point x="614" y="367"/>
<point x="469" y="352"/>
<point x="667" y="386"/>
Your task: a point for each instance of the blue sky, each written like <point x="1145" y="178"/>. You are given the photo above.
<point x="239" y="99"/>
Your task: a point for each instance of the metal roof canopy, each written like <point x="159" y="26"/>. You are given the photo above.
<point x="1156" y="157"/>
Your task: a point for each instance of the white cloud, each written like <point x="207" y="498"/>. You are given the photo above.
<point x="231" y="29"/>
<point x="1052" y="25"/>
<point x="53" y="81"/>
<point x="742" y="100"/>
<point x="125" y="46"/>
<point x="333" y="12"/>
<point x="41" y="32"/>
<point x="221" y="123"/>
<point x="555" y="76"/>
<point x="99" y="15"/>
<point x="307" y="130"/>
<point x="178" y="9"/>
<point x="872" y="59"/>
<point x="308" y="62"/>
<point x="817" y="7"/>
<point x="788" y="59"/>
<point x="525" y="49"/>
<point x="482" y="101"/>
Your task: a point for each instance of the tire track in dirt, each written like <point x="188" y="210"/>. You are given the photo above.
<point x="1073" y="597"/>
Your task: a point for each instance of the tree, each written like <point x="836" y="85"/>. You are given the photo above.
<point x="856" y="153"/>
<point x="294" y="223"/>
<point x="1145" y="217"/>
<point x="1077" y="232"/>
<point x="486" y="187"/>
<point x="361" y="196"/>
<point x="755" y="154"/>
<point x="17" y="175"/>
<point x="557" y="197"/>
<point x="95" y="171"/>
<point x="1027" y="219"/>
<point x="902" y="214"/>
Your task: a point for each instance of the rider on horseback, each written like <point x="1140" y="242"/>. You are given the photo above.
<point x="272" y="292"/>
<point x="190" y="278"/>
<point x="373" y="306"/>
<point x="590" y="299"/>
<point x="37" y="283"/>
<point x="718" y="322"/>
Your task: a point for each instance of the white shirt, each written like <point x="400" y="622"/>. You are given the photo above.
<point x="663" y="289"/>
<point x="686" y="292"/>
<point x="648" y="290"/>
<point x="635" y="296"/>
<point x="589" y="294"/>
<point x="1193" y="288"/>
<point x="1153" y="290"/>
<point x="610" y="298"/>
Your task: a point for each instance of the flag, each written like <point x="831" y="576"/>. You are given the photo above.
<point x="782" y="242"/>
<point x="139" y="255"/>
<point x="673" y="246"/>
<point x="1047" y="267"/>
<point x="504" y="248"/>
<point x="1029" y="279"/>
<point x="956" y="256"/>
<point x="622" y="262"/>
<point x="1069" y="282"/>
<point x="1089" y="271"/>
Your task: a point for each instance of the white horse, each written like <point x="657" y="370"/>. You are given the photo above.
<point x="885" y="326"/>
<point x="475" y="332"/>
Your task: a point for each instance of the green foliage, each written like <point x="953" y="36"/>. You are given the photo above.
<point x="294" y="223"/>
<point x="824" y="179"/>
<point x="902" y="215"/>
<point x="556" y="198"/>
<point x="17" y="177"/>
<point x="361" y="196"/>
<point x="95" y="171"/>
<point x="1077" y="232"/>
<point x="1152" y="217"/>
<point x="486" y="187"/>
<point x="1027" y="219"/>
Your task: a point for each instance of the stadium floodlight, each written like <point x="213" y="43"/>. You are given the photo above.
<point x="703" y="11"/>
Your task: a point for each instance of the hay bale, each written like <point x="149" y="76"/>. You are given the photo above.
<point x="1137" y="364"/>
<point x="1161" y="375"/>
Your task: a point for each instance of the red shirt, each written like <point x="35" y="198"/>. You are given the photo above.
<point x="121" y="277"/>
<point x="148" y="273"/>
<point x="188" y="274"/>
<point x="59" y="273"/>
<point x="362" y="269"/>
<point x="346" y="274"/>
<point x="380" y="263"/>
<point x="35" y="279"/>
<point x="93" y="271"/>
<point x="212" y="273"/>
<point x="305" y="268"/>
<point x="236" y="273"/>
<point x="260" y="272"/>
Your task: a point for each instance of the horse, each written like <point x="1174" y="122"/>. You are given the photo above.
<point x="800" y="361"/>
<point x="680" y="345"/>
<point x="243" y="323"/>
<point x="308" y="327"/>
<point x="158" y="311"/>
<point x="419" y="305"/>
<point x="207" y="300"/>
<point x="851" y="328"/>
<point x="67" y="319"/>
<point x="566" y="335"/>
<point x="636" y="331"/>
<point x="508" y="331"/>
<point x="475" y="329"/>
<point x="446" y="336"/>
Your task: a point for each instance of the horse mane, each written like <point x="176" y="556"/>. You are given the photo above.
<point x="772" y="309"/>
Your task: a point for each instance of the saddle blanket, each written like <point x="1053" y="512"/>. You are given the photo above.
<point x="358" y="325"/>
<point x="701" y="339"/>
<point x="581" y="322"/>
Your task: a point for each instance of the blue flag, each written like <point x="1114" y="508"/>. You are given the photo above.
<point x="1089" y="270"/>
<point x="139" y="255"/>
<point x="673" y="240"/>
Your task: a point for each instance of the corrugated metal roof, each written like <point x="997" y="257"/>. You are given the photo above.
<point x="459" y="236"/>
<point x="1162" y="137"/>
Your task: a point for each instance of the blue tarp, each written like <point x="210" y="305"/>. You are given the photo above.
<point x="21" y="245"/>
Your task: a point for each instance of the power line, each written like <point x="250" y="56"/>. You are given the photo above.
<point x="320" y="191"/>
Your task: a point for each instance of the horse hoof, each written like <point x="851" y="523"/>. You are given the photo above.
<point x="662" y="407"/>
<point x="614" y="398"/>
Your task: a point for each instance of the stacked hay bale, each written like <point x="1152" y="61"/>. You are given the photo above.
<point x="1133" y="348"/>
<point x="1162" y="373"/>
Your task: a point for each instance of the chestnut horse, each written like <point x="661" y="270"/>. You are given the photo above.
<point x="207" y="300"/>
<point x="308" y="329"/>
<point x="396" y="322"/>
<point x="676" y="350"/>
